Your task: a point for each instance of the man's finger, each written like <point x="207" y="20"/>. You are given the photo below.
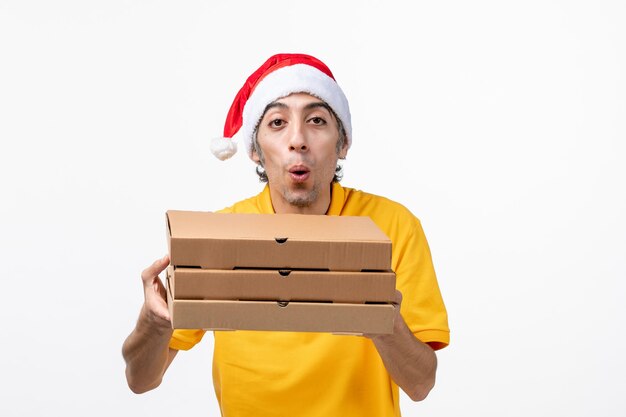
<point x="154" y="270"/>
<point x="398" y="298"/>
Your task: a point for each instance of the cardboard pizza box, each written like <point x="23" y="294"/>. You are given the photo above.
<point x="281" y="285"/>
<point x="279" y="241"/>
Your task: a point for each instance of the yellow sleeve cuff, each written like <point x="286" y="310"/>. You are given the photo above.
<point x="185" y="339"/>
<point x="436" y="339"/>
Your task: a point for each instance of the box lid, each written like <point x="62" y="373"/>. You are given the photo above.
<point x="229" y="241"/>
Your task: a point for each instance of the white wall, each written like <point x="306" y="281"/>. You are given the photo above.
<point x="500" y="124"/>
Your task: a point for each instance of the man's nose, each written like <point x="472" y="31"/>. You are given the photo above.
<point x="297" y="139"/>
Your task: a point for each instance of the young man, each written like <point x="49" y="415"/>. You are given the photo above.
<point x="295" y="122"/>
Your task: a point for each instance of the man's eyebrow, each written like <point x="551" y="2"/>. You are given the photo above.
<point x="317" y="104"/>
<point x="309" y="106"/>
<point x="273" y="105"/>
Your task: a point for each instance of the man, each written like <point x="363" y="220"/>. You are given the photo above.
<point x="295" y="122"/>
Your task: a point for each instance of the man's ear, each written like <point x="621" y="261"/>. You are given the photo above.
<point x="344" y="150"/>
<point x="255" y="156"/>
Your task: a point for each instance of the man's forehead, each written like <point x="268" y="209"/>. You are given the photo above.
<point x="299" y="96"/>
<point x="304" y="100"/>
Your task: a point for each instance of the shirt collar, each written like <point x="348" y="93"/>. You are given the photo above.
<point x="265" y="202"/>
<point x="337" y="199"/>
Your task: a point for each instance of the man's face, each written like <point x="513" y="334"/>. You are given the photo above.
<point x="298" y="137"/>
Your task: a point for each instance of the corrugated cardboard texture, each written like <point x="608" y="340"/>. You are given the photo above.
<point x="286" y="285"/>
<point x="270" y="316"/>
<point x="286" y="241"/>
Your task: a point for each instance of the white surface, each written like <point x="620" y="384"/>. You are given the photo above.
<point x="500" y="124"/>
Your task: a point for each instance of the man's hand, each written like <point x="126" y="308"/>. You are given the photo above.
<point x="146" y="349"/>
<point x="411" y="363"/>
<point x="155" y="297"/>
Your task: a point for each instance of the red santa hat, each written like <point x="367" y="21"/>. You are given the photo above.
<point x="278" y="77"/>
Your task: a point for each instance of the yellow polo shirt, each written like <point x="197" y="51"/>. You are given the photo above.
<point x="263" y="374"/>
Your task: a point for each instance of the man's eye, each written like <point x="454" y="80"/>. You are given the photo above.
<point x="276" y="123"/>
<point x="318" y="121"/>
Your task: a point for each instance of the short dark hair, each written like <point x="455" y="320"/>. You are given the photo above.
<point x="340" y="143"/>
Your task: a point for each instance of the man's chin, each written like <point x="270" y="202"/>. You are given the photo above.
<point x="301" y="198"/>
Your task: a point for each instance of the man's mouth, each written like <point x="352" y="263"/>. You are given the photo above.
<point x="299" y="173"/>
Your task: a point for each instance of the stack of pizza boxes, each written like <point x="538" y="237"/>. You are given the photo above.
<point x="279" y="273"/>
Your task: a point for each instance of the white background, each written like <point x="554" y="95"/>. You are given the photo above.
<point x="500" y="124"/>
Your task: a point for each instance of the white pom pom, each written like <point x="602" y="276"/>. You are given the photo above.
<point x="223" y="148"/>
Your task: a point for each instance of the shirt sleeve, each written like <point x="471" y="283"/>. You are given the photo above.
<point x="184" y="339"/>
<point x="422" y="307"/>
